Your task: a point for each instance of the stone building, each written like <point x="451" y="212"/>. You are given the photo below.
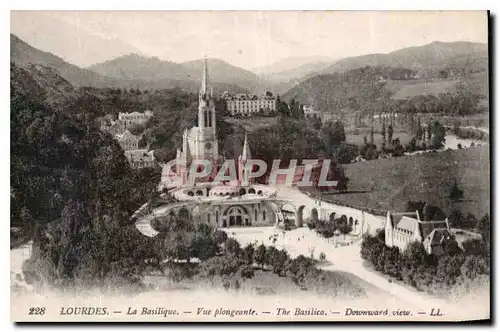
<point x="403" y="228"/>
<point x="128" y="141"/>
<point x="140" y="158"/>
<point x="247" y="105"/>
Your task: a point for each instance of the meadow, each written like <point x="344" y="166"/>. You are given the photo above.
<point x="388" y="184"/>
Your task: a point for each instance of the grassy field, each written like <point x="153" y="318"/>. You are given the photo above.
<point x="390" y="183"/>
<point x="478" y="83"/>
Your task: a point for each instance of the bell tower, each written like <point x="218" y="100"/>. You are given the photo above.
<point x="208" y="148"/>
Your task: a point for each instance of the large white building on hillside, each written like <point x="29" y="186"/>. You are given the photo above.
<point x="247" y="105"/>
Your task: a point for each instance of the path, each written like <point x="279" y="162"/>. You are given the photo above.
<point x="302" y="241"/>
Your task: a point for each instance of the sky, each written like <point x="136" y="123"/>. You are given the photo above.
<point x="247" y="39"/>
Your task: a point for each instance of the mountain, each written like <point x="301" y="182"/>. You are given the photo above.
<point x="222" y="72"/>
<point x="152" y="69"/>
<point x="134" y="66"/>
<point x="38" y="83"/>
<point x="415" y="71"/>
<point x="25" y="56"/>
<point x="283" y="81"/>
<point x="289" y="64"/>
<point x="427" y="59"/>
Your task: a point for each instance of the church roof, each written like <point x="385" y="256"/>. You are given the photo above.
<point x="438" y="235"/>
<point x="427" y="227"/>
<point x="405" y="223"/>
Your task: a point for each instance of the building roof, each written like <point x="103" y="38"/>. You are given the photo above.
<point x="406" y="223"/>
<point x="426" y="227"/>
<point x="438" y="235"/>
<point x="127" y="135"/>
<point x="139" y="155"/>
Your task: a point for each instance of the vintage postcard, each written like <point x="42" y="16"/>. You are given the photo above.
<point x="249" y="166"/>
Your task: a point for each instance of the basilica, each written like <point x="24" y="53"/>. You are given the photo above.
<point x="237" y="202"/>
<point x="200" y="142"/>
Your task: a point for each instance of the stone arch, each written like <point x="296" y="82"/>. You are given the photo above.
<point x="190" y="193"/>
<point x="251" y="191"/>
<point x="331" y="217"/>
<point x="299" y="216"/>
<point x="314" y="215"/>
<point x="199" y="192"/>
<point x="236" y="215"/>
<point x="242" y="191"/>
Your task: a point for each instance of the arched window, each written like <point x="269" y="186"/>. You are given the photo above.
<point x="190" y="193"/>
<point x="251" y="191"/>
<point x="199" y="193"/>
<point x="242" y="191"/>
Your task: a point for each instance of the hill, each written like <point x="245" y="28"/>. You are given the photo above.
<point x="290" y="63"/>
<point x="427" y="59"/>
<point x="39" y="83"/>
<point x="283" y="81"/>
<point x="222" y="72"/>
<point x="426" y="177"/>
<point x="423" y="70"/>
<point x="24" y="56"/>
<point x="134" y="66"/>
<point x="358" y="89"/>
<point x="154" y="72"/>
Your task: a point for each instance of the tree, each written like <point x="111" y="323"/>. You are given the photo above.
<point x="438" y="135"/>
<point x="233" y="247"/>
<point x="248" y="253"/>
<point x="455" y="193"/>
<point x="260" y="255"/>
<point x="203" y="244"/>
<point x="390" y="132"/>
<point x="383" y="131"/>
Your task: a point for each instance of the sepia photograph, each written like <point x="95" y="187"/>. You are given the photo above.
<point x="250" y="166"/>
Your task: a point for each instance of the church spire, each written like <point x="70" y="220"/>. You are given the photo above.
<point x="204" y="82"/>
<point x="245" y="155"/>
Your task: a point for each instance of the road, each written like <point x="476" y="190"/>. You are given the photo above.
<point x="303" y="241"/>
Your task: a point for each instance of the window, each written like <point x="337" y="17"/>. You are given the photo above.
<point x="264" y="215"/>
